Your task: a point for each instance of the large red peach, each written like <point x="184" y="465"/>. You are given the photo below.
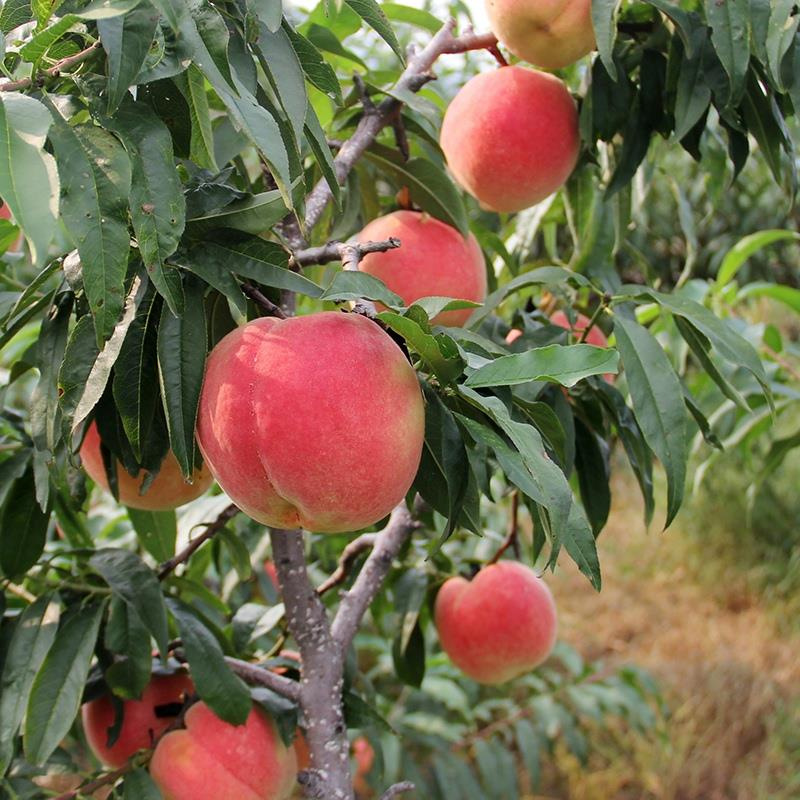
<point x="213" y="760"/>
<point x="313" y="421"/>
<point x="435" y="260"/>
<point x="499" y="625"/>
<point x="143" y="720"/>
<point x="549" y="33"/>
<point x="167" y="491"/>
<point x="511" y="137"/>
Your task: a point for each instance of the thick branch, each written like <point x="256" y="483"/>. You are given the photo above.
<point x="321" y="672"/>
<point x="339" y="251"/>
<point x="364" y="542"/>
<point x="355" y="603"/>
<point x="414" y="77"/>
<point x="54" y="71"/>
<point x="212" y="528"/>
<point x="252" y="673"/>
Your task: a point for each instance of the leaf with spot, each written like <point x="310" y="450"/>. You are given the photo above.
<point x="95" y="174"/>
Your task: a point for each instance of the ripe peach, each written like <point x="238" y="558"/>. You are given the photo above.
<point x="313" y="421"/>
<point x="5" y="213"/>
<point x="435" y="260"/>
<point x="167" y="491"/>
<point x="549" y="33"/>
<point x="595" y="335"/>
<point x="213" y="760"/>
<point x="511" y="137"/>
<point x="498" y="626"/>
<point x="364" y="755"/>
<point x="143" y="721"/>
<point x="272" y="574"/>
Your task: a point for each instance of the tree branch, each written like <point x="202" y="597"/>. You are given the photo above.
<point x="338" y="251"/>
<point x="414" y="77"/>
<point x="355" y="603"/>
<point x="253" y="673"/>
<point x="54" y="71"/>
<point x="321" y="672"/>
<point x="398" y="788"/>
<point x="211" y="528"/>
<point x="364" y="542"/>
<point x="261" y="300"/>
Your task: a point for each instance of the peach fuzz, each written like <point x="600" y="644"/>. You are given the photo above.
<point x="511" y="137"/>
<point x="167" y="491"/>
<point x="313" y="421"/>
<point x="499" y="625"/>
<point x="213" y="760"/>
<point x="434" y="260"/>
<point x="144" y="720"/>
<point x="548" y="33"/>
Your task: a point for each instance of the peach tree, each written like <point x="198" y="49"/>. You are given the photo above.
<point x="240" y="248"/>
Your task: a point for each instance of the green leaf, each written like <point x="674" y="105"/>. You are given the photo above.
<point x="318" y="72"/>
<point x="269" y="12"/>
<point x="409" y="660"/>
<point x="764" y="121"/>
<point x="138" y="785"/>
<point x="783" y="22"/>
<point x="443" y="475"/>
<point x="57" y="690"/>
<point x="783" y="294"/>
<point x="438" y="351"/>
<point x="563" y="364"/>
<point x="226" y="695"/>
<point x="358" y="713"/>
<point x="14" y="13"/>
<point x="744" y="248"/>
<point x="541" y="276"/>
<point x="371" y="13"/>
<point x="135" y="383"/>
<point x="128" y="638"/>
<point x="182" y="345"/>
<point x="591" y="464"/>
<point x="157" y="531"/>
<point x="254" y="215"/>
<point x="41" y="42"/>
<point x="79" y="358"/>
<point x="412" y="16"/>
<point x="349" y="285"/>
<point x="201" y="147"/>
<point x="730" y="36"/>
<point x="134" y="582"/>
<point x="157" y="204"/>
<point x="429" y="186"/>
<point x="23" y="527"/>
<point x="657" y="402"/>
<point x="126" y="38"/>
<point x="604" y="22"/>
<point x="528" y="745"/>
<point x="95" y="177"/>
<point x="34" y="634"/>
<point x="106" y="9"/>
<point x="693" y="93"/>
<point x="318" y="143"/>
<point x="28" y="175"/>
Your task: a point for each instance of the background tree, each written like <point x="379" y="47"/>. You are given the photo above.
<point x="224" y="188"/>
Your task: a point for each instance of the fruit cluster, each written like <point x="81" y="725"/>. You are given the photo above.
<point x="318" y="421"/>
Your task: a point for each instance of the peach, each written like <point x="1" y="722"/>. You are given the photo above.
<point x="364" y="755"/>
<point x="498" y="626"/>
<point x="213" y="760"/>
<point x="511" y="137"/>
<point x="5" y="213"/>
<point x="595" y="335"/>
<point x="143" y="720"/>
<point x="549" y="33"/>
<point x="167" y="491"/>
<point x="313" y="421"/>
<point x="272" y="574"/>
<point x="434" y="260"/>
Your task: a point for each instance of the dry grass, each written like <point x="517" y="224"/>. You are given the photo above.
<point x="729" y="675"/>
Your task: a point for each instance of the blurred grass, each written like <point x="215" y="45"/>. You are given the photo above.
<point x="710" y="607"/>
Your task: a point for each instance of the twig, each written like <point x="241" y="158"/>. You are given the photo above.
<point x="513" y="528"/>
<point x="355" y="602"/>
<point x="364" y="542"/>
<point x="400" y="136"/>
<point x="363" y="95"/>
<point x="336" y="251"/>
<point x="593" y="321"/>
<point x="53" y="72"/>
<point x="211" y="528"/>
<point x="20" y="591"/>
<point x="398" y="788"/>
<point x="262" y="301"/>
<point x="253" y="673"/>
<point x="109" y="779"/>
<point x="415" y="75"/>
